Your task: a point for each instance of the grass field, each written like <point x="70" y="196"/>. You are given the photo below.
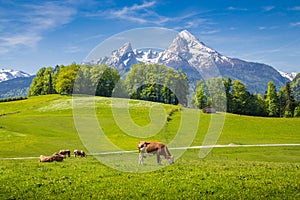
<point x="45" y="124"/>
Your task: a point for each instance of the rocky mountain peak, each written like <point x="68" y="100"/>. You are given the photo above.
<point x="198" y="61"/>
<point x="123" y="50"/>
<point x="7" y="74"/>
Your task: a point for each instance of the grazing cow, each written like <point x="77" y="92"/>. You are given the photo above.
<point x="79" y="153"/>
<point x="65" y="153"/>
<point x="55" y="157"/>
<point x="157" y="148"/>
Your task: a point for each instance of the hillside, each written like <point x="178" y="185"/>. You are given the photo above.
<point x="38" y="121"/>
<point x="45" y="124"/>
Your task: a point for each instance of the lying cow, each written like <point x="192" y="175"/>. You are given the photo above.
<point x="157" y="148"/>
<point x="55" y="157"/>
<point x="59" y="157"/>
<point x="79" y="153"/>
<point x="65" y="153"/>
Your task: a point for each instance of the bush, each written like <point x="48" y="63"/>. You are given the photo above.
<point x="12" y="99"/>
<point x="297" y="111"/>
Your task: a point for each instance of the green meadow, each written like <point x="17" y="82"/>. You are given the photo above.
<point x="45" y="124"/>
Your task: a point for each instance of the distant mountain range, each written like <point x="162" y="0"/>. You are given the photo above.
<point x="198" y="61"/>
<point x="289" y="76"/>
<point x="7" y="74"/>
<point x="14" y="83"/>
<point x="185" y="52"/>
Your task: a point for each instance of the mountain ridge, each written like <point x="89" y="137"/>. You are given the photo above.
<point x="7" y="74"/>
<point x="15" y="87"/>
<point x="198" y="61"/>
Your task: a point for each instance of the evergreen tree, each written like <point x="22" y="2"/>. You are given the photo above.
<point x="228" y="90"/>
<point x="282" y="99"/>
<point x="271" y="100"/>
<point x="107" y="82"/>
<point x="290" y="102"/>
<point x="240" y="97"/>
<point x="201" y="97"/>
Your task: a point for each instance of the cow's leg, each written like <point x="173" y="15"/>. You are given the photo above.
<point x="158" y="158"/>
<point x="141" y="158"/>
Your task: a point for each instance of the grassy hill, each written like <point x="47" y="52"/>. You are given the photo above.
<point x="45" y="124"/>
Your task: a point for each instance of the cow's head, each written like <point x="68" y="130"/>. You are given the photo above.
<point x="142" y="146"/>
<point x="171" y="160"/>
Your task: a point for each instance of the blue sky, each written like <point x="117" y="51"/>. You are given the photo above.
<point x="34" y="34"/>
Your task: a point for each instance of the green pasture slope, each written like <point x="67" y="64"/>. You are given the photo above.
<point x="44" y="125"/>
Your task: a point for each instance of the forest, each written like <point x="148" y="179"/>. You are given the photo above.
<point x="158" y="83"/>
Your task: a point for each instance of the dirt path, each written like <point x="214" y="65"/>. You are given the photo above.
<point x="177" y="148"/>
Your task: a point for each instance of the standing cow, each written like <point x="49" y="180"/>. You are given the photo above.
<point x="65" y="153"/>
<point x="157" y="148"/>
<point x="79" y="153"/>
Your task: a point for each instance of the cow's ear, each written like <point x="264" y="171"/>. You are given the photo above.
<point x="146" y="143"/>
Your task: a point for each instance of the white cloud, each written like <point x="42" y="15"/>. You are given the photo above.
<point x="295" y="24"/>
<point x="296" y="8"/>
<point x="73" y="49"/>
<point x="25" y="24"/>
<point x="236" y="8"/>
<point x="145" y="14"/>
<point x="26" y="40"/>
<point x="209" y="32"/>
<point x="268" y="8"/>
<point x="131" y="13"/>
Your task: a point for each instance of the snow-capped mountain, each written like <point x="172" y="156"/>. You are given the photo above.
<point x="289" y="76"/>
<point x="198" y="61"/>
<point x="147" y="56"/>
<point x="124" y="57"/>
<point x="7" y="74"/>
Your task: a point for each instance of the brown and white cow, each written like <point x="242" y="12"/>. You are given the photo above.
<point x="55" y="157"/>
<point x="47" y="158"/>
<point x="65" y="152"/>
<point x="79" y="153"/>
<point x="157" y="148"/>
<point x="59" y="157"/>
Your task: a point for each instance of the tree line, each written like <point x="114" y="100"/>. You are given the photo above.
<point x="146" y="82"/>
<point x="235" y="97"/>
<point x="155" y="82"/>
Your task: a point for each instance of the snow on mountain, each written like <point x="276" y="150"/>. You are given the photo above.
<point x="198" y="61"/>
<point x="289" y="76"/>
<point x="7" y="74"/>
<point x="124" y="57"/>
<point x="188" y="52"/>
<point x="149" y="56"/>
